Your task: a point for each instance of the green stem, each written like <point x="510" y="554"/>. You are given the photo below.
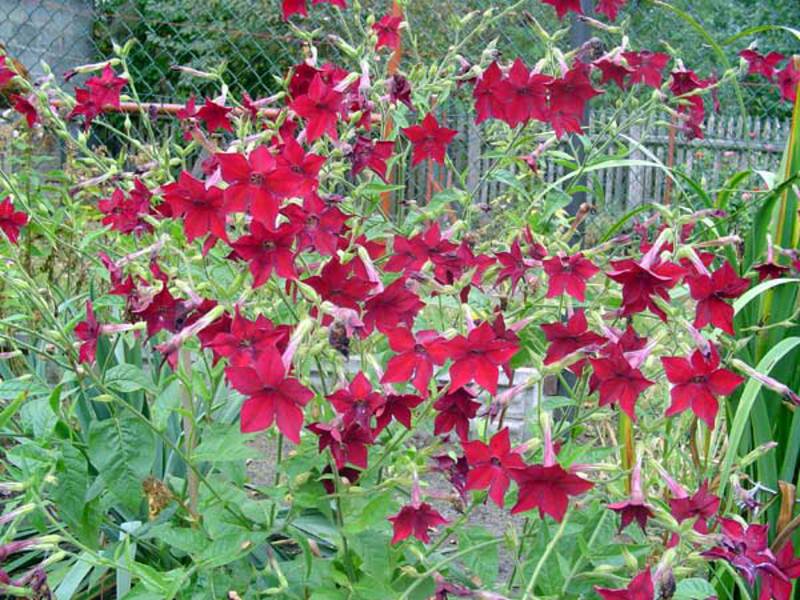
<point x="547" y="552"/>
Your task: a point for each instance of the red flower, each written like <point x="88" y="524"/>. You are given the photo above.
<point x="476" y="356"/>
<point x="514" y="265"/>
<point x="202" y="208"/>
<point x="23" y="106"/>
<point x="397" y="407"/>
<point x="400" y="90"/>
<point x="6" y="73"/>
<point x="615" y="70"/>
<point x="247" y="340"/>
<point x="702" y="506"/>
<point x="387" y="30"/>
<point x="567" y="339"/>
<point x="86" y="105"/>
<point x="455" y="409"/>
<point x="618" y="382"/>
<point x="321" y="107"/>
<point x="271" y="395"/>
<point x="124" y="213"/>
<point x="609" y="8"/>
<point x="268" y="251"/>
<point x="711" y="293"/>
<point x="490" y="465"/>
<point x="357" y="403"/>
<point x="105" y="90"/>
<point x="215" y="116"/>
<point x="770" y="270"/>
<point x="455" y="471"/>
<point x="758" y="64"/>
<point x="11" y="221"/>
<point x="525" y="95"/>
<point x="634" y="508"/>
<point x="369" y="154"/>
<point x="411" y="358"/>
<point x="251" y="184"/>
<point x="788" y="79"/>
<point x="547" y="488"/>
<point x="685" y="81"/>
<point x="778" y="585"/>
<point x="320" y="225"/>
<point x="88" y="332"/>
<point x="569" y="274"/>
<point x="745" y="548"/>
<point x="568" y="97"/>
<point x="490" y="93"/>
<point x="393" y="306"/>
<point x="644" y="279"/>
<point x="294" y="7"/>
<point x="341" y="284"/>
<point x="429" y="140"/>
<point x="415" y="519"/>
<point x="347" y="443"/>
<point x="339" y="3"/>
<point x="297" y="173"/>
<point x="640" y="588"/>
<point x="564" y="6"/>
<point x="697" y="381"/>
<point x="647" y="67"/>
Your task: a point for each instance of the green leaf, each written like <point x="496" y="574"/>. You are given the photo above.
<point x="224" y="442"/>
<point x="745" y="405"/>
<point x="228" y="548"/>
<point x="484" y="564"/>
<point x="10" y="410"/>
<point x="122" y="449"/>
<point x="757" y="290"/>
<point x="69" y="496"/>
<point x="128" y="378"/>
<point x="694" y="588"/>
<point x="10" y="389"/>
<point x="74" y="577"/>
<point x="373" y="511"/>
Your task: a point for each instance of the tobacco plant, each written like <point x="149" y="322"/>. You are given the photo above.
<point x="256" y="292"/>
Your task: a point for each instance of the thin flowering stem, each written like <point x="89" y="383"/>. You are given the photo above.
<point x="546" y="555"/>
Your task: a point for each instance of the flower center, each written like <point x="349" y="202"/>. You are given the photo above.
<point x="256" y="179"/>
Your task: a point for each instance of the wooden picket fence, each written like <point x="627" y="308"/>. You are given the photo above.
<point x="731" y="144"/>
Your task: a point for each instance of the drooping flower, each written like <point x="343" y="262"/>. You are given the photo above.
<point x="358" y="402"/>
<point x="618" y="382"/>
<point x="320" y="224"/>
<point x="393" y="306"/>
<point x="609" y="8"/>
<point x="640" y="588"/>
<point x="23" y="106"/>
<point x="776" y="583"/>
<point x="88" y="332"/>
<point x="614" y="69"/>
<point x="397" y="407"/>
<point x="636" y="507"/>
<point x="7" y="73"/>
<point x="455" y="471"/>
<point x="490" y="465"/>
<point x="647" y="66"/>
<point x="454" y="411"/>
<point x="429" y="139"/>
<point x="564" y="6"/>
<point x="267" y="251"/>
<point x="321" y="107"/>
<point x="415" y="519"/>
<point x="759" y="64"/>
<point x="569" y="274"/>
<point x="85" y="106"/>
<point x="697" y="381"/>
<point x="476" y="356"/>
<point x="411" y="361"/>
<point x="567" y="339"/>
<point x="215" y="116"/>
<point x="369" y="154"/>
<point x="711" y="293"/>
<point x="124" y="212"/>
<point x="202" y="208"/>
<point x="745" y="548"/>
<point x="11" y="221"/>
<point x="388" y="31"/>
<point x="348" y="444"/>
<point x="272" y="396"/>
<point x="788" y="79"/>
<point x="400" y="90"/>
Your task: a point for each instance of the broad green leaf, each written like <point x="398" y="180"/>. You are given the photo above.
<point x="694" y="588"/>
<point x="69" y="496"/>
<point x="128" y="378"/>
<point x="224" y="442"/>
<point x="757" y="290"/>
<point x="11" y="409"/>
<point x="484" y="564"/>
<point x="122" y="449"/>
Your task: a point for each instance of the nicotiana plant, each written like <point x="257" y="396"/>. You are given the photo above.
<point x="245" y="292"/>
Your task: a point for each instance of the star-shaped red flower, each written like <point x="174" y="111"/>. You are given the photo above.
<point x="567" y="339"/>
<point x="640" y="588"/>
<point x="411" y="361"/>
<point x="415" y="520"/>
<point x="759" y="64"/>
<point x="429" y="139"/>
<point x="215" y="116"/>
<point x="618" y="382"/>
<point x="697" y="381"/>
<point x="647" y="66"/>
<point x="490" y="465"/>
<point x="88" y="332"/>
<point x="321" y="107"/>
<point x="11" y="221"/>
<point x="202" y="208"/>
<point x="268" y="251"/>
<point x="454" y="411"/>
<point x="711" y="293"/>
<point x="358" y="402"/>
<point x="388" y="31"/>
<point x="569" y="274"/>
<point x="548" y="489"/>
